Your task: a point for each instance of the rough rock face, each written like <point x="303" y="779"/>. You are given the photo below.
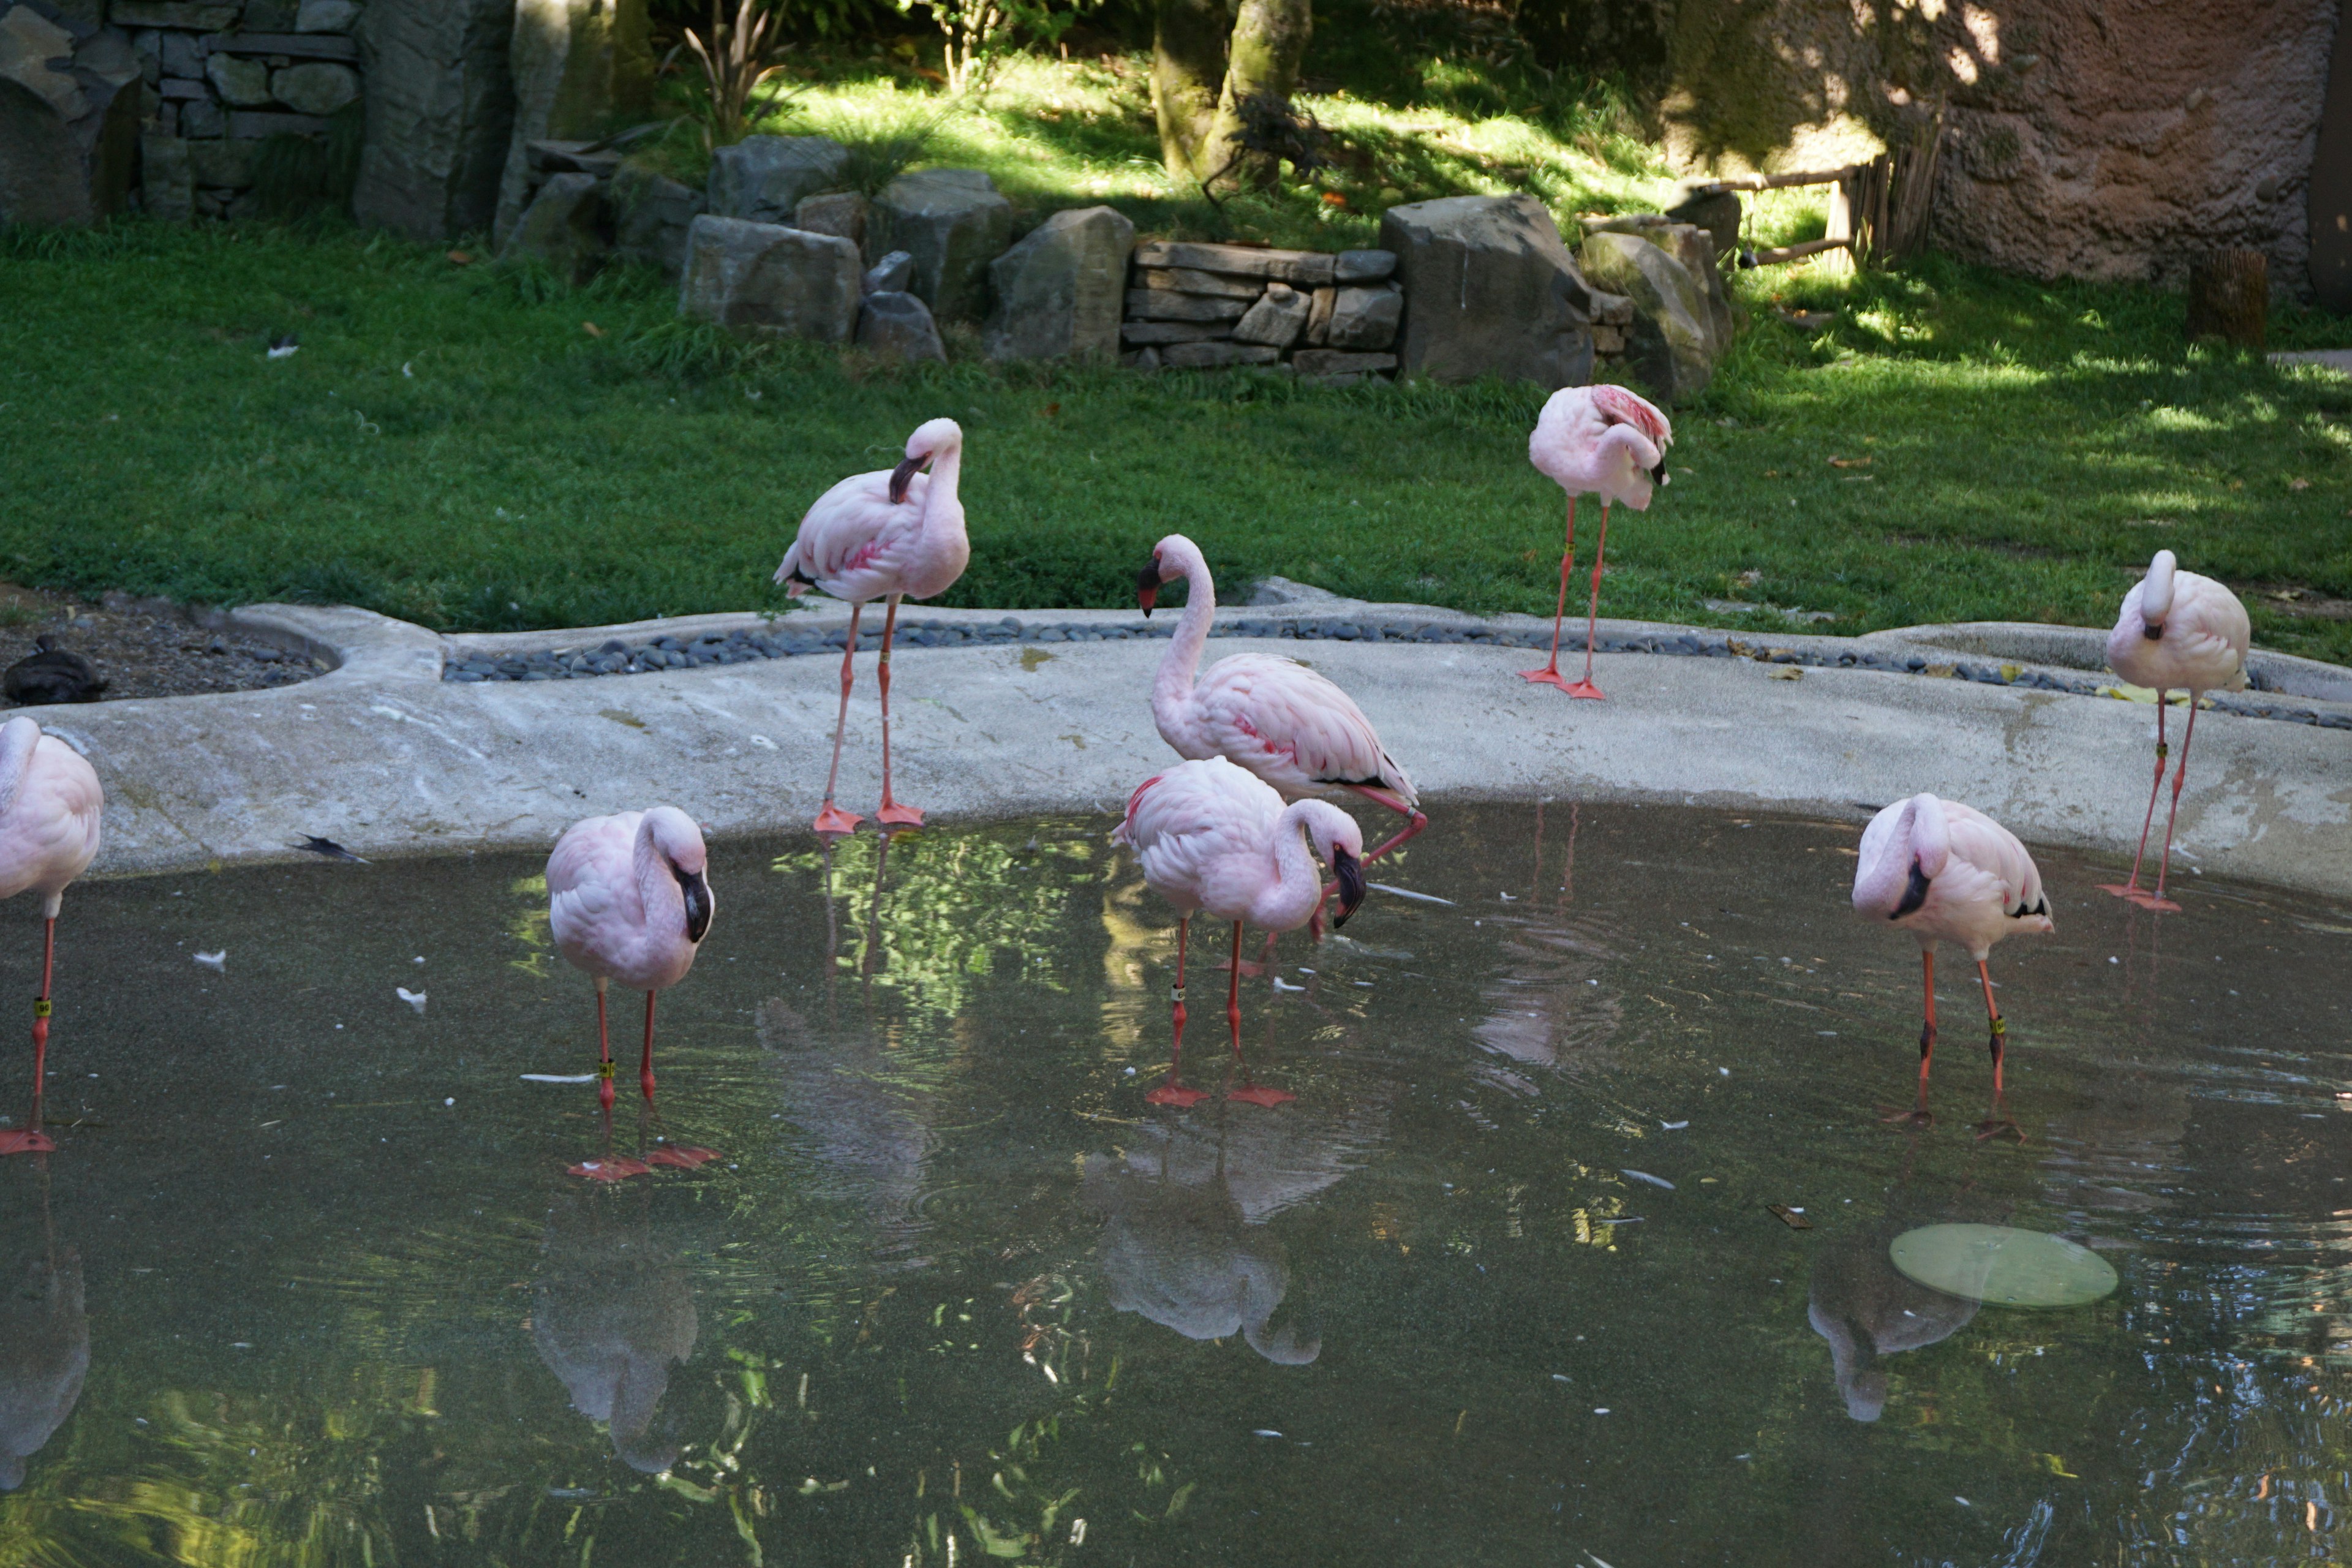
<point x="566" y="225"/>
<point x="1672" y="348"/>
<point x="579" y="67"/>
<point x="765" y="277"/>
<point x="896" y="325"/>
<point x="1491" y="290"/>
<point x="651" y="216"/>
<point x="838" y="212"/>
<point x="69" y="118"/>
<point x="1060" y="290"/>
<point x="953" y="223"/>
<point x="763" y="179"/>
<point x="1365" y="318"/>
<point x="440" y="114"/>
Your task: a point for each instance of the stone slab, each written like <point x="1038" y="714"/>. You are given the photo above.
<point x="1158" y="305"/>
<point x="298" y="46"/>
<point x="1309" y="269"/>
<point x="384" y="757"/>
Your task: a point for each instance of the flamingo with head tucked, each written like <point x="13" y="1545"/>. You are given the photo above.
<point x="2178" y="631"/>
<point x="50" y="807"/>
<point x="1947" y="872"/>
<point x="629" y="900"/>
<point x="1289" y="725"/>
<point x="1210" y="836"/>
<point x="885" y="535"/>
<point x="1607" y="441"/>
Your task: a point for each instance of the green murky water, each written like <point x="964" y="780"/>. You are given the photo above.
<point x="955" y="1292"/>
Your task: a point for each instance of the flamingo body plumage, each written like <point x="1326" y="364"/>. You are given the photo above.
<point x="50" y="809"/>
<point x="1210" y="836"/>
<point x="1603" y="441"/>
<point x="891" y="535"/>
<point x="2176" y="632"/>
<point x="1943" y="871"/>
<point x="629" y="900"/>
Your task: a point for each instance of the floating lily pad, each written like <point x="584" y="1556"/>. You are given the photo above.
<point x="2004" y="1266"/>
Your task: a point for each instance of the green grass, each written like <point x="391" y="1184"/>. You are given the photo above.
<point x="452" y="445"/>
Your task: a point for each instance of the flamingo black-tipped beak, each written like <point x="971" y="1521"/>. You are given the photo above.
<point x="2151" y="631"/>
<point x="696" y="890"/>
<point x="1351" y="875"/>
<point x="904" y="475"/>
<point x="1659" y="473"/>
<point x="1146" y="587"/>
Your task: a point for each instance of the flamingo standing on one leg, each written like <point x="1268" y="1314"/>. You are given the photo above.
<point x="1601" y="439"/>
<point x="1210" y="837"/>
<point x="629" y="899"/>
<point x="1945" y="871"/>
<point x="2177" y="631"/>
<point x="49" y="807"/>
<point x="895" y="535"/>
<point x="1283" y="721"/>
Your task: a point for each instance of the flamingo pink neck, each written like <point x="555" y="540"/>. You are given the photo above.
<point x="1180" y="666"/>
<point x="18" y="738"/>
<point x="1299" y="884"/>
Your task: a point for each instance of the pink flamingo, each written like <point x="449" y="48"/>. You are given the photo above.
<point x="49" y="808"/>
<point x="895" y="535"/>
<point x="628" y="898"/>
<point x="1607" y="440"/>
<point x="1284" y="722"/>
<point x="1210" y="836"/>
<point x="1944" y="872"/>
<point x="2178" y="631"/>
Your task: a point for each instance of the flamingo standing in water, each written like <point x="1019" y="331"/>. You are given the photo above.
<point x="1283" y="721"/>
<point x="629" y="899"/>
<point x="49" y="807"/>
<point x="1944" y="872"/>
<point x="1603" y="440"/>
<point x="895" y="535"/>
<point x="1210" y="836"/>
<point x="2178" y="631"/>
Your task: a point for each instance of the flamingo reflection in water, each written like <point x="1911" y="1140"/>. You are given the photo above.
<point x="1867" y="1310"/>
<point x="44" y="1346"/>
<point x="1184" y="1240"/>
<point x="613" y="1312"/>
<point x="862" y="1116"/>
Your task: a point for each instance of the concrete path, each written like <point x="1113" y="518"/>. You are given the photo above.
<point x="387" y="758"/>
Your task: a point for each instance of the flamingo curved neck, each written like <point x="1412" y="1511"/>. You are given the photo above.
<point x="1299" y="883"/>
<point x="19" y="738"/>
<point x="1181" y="665"/>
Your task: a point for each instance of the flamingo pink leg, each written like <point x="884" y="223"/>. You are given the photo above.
<point x="1414" y="822"/>
<point x="1585" y="687"/>
<point x="1997" y="1123"/>
<point x="645" y="1062"/>
<point x="1249" y="1093"/>
<point x="1918" y="1117"/>
<point x="2157" y="902"/>
<point x="832" y="819"/>
<point x="891" y="814"/>
<point x="1174" y="1092"/>
<point x="1549" y="674"/>
<point x="2131" y="890"/>
<point x="32" y="1139"/>
<point x="603" y="1053"/>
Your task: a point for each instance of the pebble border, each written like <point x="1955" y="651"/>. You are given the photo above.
<point x="744" y="644"/>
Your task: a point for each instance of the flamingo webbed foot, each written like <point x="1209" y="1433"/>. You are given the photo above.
<point x="611" y="1168"/>
<point x="1919" y="1118"/>
<point x="25" y="1142"/>
<point x="681" y="1156"/>
<point x="832" y="819"/>
<point x="893" y="815"/>
<point x="1258" y="1094"/>
<point x="1586" y="689"/>
<point x="1546" y="677"/>
<point x="1181" y="1096"/>
<point x="1999" y="1127"/>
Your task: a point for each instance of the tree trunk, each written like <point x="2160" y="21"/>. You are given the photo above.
<point x="1269" y="44"/>
<point x="2229" y="297"/>
<point x="1188" y="64"/>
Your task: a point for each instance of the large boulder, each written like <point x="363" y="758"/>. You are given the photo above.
<point x="651" y="216"/>
<point x="767" y="277"/>
<point x="69" y="111"/>
<point x="567" y="227"/>
<point x="765" y="179"/>
<point x="1692" y="244"/>
<point x="896" y="325"/>
<point x="1364" y="318"/>
<point x="580" y="67"/>
<point x="953" y="223"/>
<point x="440" y="115"/>
<point x="1059" y="292"/>
<point x="1489" y="289"/>
<point x="1672" y="347"/>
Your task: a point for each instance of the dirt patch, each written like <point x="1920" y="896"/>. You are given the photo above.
<point x="2293" y="599"/>
<point x="142" y="650"/>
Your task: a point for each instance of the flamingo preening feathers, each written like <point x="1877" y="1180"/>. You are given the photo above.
<point x="894" y="534"/>
<point x="1287" y="724"/>
<point x="50" y="807"/>
<point x="1947" y="872"/>
<point x="2177" y="632"/>
<point x="1210" y="836"/>
<point x="629" y="899"/>
<point x="1600" y="440"/>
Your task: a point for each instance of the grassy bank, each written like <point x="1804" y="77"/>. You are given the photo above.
<point x="457" y="445"/>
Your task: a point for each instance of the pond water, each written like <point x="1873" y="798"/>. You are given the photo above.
<point x="1503" y="1284"/>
